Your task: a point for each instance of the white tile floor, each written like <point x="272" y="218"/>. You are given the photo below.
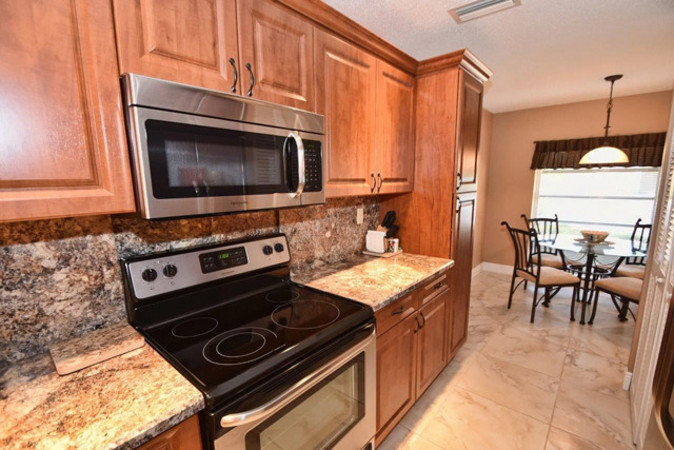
<point x="551" y="385"/>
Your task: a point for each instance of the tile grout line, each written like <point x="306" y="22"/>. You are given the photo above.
<point x="559" y="386"/>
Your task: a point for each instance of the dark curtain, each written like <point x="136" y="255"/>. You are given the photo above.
<point x="642" y="150"/>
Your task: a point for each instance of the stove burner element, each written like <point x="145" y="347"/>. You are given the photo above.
<point x="194" y="327"/>
<point x="282" y="296"/>
<point x="305" y="315"/>
<point x="240" y="346"/>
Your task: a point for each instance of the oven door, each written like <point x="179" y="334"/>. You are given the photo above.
<point x="187" y="165"/>
<point x="331" y="407"/>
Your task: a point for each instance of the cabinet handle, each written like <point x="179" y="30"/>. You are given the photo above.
<point x="416" y="330"/>
<point x="236" y="75"/>
<point x="424" y="319"/>
<point x="252" y="80"/>
<point x="459" y="180"/>
<point x="398" y="311"/>
<point x="438" y="285"/>
<point x="381" y="181"/>
<point x="374" y="183"/>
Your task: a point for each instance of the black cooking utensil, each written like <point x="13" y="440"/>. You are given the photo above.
<point x="389" y="219"/>
<point x="392" y="231"/>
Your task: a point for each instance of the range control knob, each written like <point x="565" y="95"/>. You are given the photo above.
<point x="149" y="275"/>
<point x="267" y="250"/>
<point x="170" y="270"/>
<point x="279" y="247"/>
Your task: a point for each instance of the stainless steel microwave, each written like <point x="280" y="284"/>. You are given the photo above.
<point x="196" y="151"/>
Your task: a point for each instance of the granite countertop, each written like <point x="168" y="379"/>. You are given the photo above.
<point x="119" y="403"/>
<point x="372" y="280"/>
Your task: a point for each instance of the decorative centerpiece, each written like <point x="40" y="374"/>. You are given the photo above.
<point x="594" y="237"/>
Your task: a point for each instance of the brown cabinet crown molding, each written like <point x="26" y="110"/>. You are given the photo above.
<point x="463" y="58"/>
<point x="333" y="20"/>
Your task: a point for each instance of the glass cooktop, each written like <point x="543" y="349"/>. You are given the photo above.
<point x="236" y="343"/>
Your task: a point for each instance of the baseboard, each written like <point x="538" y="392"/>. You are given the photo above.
<point x="497" y="268"/>
<point x="627" y="381"/>
<point x="477" y="270"/>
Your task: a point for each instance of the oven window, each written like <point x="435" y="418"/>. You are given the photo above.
<point x="319" y="418"/>
<point x="197" y="161"/>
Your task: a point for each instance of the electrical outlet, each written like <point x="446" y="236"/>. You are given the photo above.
<point x="359" y="216"/>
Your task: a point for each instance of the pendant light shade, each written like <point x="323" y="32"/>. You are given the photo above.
<point x="606" y="154"/>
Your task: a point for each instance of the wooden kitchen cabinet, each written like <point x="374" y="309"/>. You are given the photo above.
<point x="279" y="46"/>
<point x="184" y="436"/>
<point x="346" y="78"/>
<point x="369" y="110"/>
<point x="189" y="42"/>
<point x="437" y="219"/>
<point x="63" y="147"/>
<point x="396" y="374"/>
<point x="468" y="138"/>
<point x="432" y="337"/>
<point x="464" y="225"/>
<point x="411" y="349"/>
<point x="394" y="122"/>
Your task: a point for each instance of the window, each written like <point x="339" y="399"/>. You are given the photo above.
<point x="609" y="199"/>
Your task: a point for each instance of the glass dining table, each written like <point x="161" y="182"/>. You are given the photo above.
<point x="615" y="249"/>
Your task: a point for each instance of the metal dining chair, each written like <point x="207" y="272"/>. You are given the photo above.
<point x="624" y="289"/>
<point x="526" y="247"/>
<point x="635" y="266"/>
<point x="547" y="229"/>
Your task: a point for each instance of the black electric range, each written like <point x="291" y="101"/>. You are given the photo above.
<point x="228" y="316"/>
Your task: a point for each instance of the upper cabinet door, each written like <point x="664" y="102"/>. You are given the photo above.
<point x="62" y="145"/>
<point x="394" y="148"/>
<point x="346" y="79"/>
<point x="279" y="46"/>
<point x="187" y="41"/>
<point x="468" y="139"/>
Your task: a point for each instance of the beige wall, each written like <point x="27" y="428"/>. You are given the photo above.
<point x="510" y="182"/>
<point x="482" y="182"/>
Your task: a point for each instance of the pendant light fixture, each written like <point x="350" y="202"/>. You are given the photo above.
<point x="606" y="154"/>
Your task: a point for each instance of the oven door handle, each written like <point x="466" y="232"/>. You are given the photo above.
<point x="303" y="385"/>
<point x="301" y="174"/>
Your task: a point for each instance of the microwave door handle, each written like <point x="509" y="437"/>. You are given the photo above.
<point x="296" y="390"/>
<point x="301" y="174"/>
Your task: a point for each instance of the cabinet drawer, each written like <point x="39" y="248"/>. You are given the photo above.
<point x="396" y="311"/>
<point x="431" y="288"/>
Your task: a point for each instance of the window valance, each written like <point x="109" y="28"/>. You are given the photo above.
<point x="642" y="149"/>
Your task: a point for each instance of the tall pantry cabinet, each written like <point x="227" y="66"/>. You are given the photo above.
<point x="438" y="218"/>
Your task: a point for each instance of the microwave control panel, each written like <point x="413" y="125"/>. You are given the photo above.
<point x="313" y="166"/>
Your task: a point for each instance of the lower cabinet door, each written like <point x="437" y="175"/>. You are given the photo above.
<point x="184" y="436"/>
<point x="396" y="369"/>
<point x="462" y="254"/>
<point x="432" y="339"/>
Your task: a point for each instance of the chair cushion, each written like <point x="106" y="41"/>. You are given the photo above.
<point x="623" y="286"/>
<point x="631" y="270"/>
<point x="549" y="260"/>
<point x="551" y="277"/>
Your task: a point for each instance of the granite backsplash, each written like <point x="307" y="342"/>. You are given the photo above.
<point x="60" y="278"/>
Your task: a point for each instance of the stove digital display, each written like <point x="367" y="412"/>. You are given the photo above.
<point x="223" y="259"/>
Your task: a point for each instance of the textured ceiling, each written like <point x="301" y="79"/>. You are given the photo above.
<point x="544" y="52"/>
